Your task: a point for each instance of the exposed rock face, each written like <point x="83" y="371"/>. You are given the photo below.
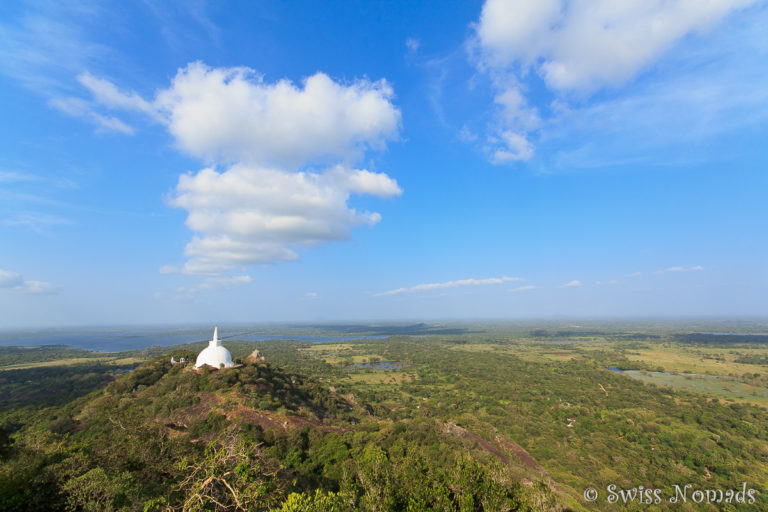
<point x="255" y="357"/>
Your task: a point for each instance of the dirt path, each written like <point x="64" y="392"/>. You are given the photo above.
<point x="522" y="455"/>
<point x="519" y="452"/>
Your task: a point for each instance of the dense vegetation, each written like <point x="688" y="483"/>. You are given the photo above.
<point x="52" y="385"/>
<point x="250" y="438"/>
<point x="463" y="422"/>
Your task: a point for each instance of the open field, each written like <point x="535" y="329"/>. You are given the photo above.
<point x="709" y="385"/>
<point x="380" y="377"/>
<point x="712" y="370"/>
<point x="708" y="360"/>
<point x="68" y="361"/>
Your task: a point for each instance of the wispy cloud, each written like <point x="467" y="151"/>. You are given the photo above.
<point x="25" y="196"/>
<point x="450" y="284"/>
<point x="107" y="94"/>
<point x="37" y="221"/>
<point x="18" y="177"/>
<point x="699" y="104"/>
<point x="76" y="107"/>
<point x="522" y="288"/>
<point x="611" y="282"/>
<point x="12" y="281"/>
<point x="223" y="282"/>
<point x="184" y="23"/>
<point x="212" y="283"/>
<point x="680" y="269"/>
<point x="42" y="48"/>
<point x="684" y="269"/>
<point x="571" y="284"/>
<point x="412" y="45"/>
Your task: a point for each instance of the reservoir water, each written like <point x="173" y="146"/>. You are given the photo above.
<point x="118" y="339"/>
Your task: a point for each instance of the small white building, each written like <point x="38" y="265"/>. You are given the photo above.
<point x="214" y="355"/>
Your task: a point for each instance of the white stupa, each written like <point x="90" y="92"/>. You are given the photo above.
<point x="214" y="354"/>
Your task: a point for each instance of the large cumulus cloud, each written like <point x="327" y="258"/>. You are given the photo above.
<point x="280" y="159"/>
<point x="234" y="115"/>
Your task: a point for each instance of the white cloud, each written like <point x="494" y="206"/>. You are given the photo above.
<point x="511" y="145"/>
<point x="586" y="44"/>
<point x="228" y="115"/>
<point x="611" y="282"/>
<point x="514" y="147"/>
<point x="449" y="284"/>
<point x="311" y="295"/>
<point x="37" y="287"/>
<point x="571" y="284"/>
<point x="515" y="109"/>
<point x="522" y="289"/>
<point x="281" y="158"/>
<point x="253" y="215"/>
<point x="267" y="204"/>
<point x="575" y="47"/>
<point x="12" y="281"/>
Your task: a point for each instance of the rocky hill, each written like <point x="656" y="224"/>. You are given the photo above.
<point x="253" y="437"/>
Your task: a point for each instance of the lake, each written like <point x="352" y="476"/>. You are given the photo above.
<point x="119" y="339"/>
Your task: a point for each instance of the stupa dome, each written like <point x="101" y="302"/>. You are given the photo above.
<point x="214" y="354"/>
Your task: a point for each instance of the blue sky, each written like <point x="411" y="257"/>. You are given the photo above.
<point x="295" y="161"/>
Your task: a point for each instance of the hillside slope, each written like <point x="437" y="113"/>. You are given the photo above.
<point x="254" y="437"/>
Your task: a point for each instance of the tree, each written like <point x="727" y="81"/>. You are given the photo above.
<point x="232" y="476"/>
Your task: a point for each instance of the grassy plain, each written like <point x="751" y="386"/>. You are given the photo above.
<point x="69" y="361"/>
<point x="713" y="371"/>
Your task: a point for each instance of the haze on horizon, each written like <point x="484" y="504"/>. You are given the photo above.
<point x="178" y="162"/>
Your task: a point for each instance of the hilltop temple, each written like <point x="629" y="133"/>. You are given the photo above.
<point x="214" y="355"/>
